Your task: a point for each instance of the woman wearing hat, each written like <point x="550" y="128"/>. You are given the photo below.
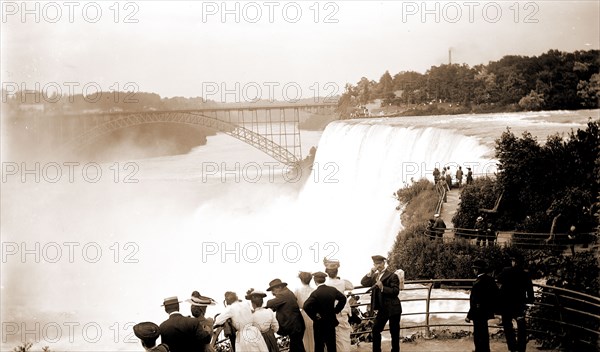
<point x="264" y="319"/>
<point x="198" y="307"/>
<point x="302" y="294"/>
<point x="248" y="336"/>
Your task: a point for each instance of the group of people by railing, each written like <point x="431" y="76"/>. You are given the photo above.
<point x="307" y="320"/>
<point x="329" y="314"/>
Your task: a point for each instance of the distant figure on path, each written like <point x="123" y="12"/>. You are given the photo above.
<point x="572" y="238"/>
<point x="449" y="180"/>
<point x="459" y="176"/>
<point x="436" y="175"/>
<point x="429" y="228"/>
<point x="385" y="287"/>
<point x="516" y="291"/>
<point x="439" y="226"/>
<point x="469" y="176"/>
<point x="484" y="295"/>
<point x="481" y="231"/>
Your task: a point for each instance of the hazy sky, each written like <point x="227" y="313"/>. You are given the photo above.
<point x="195" y="48"/>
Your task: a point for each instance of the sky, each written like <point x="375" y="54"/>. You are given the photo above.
<point x="238" y="51"/>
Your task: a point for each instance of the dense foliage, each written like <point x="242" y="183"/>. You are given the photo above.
<point x="553" y="80"/>
<point x="557" y="317"/>
<point x="539" y="183"/>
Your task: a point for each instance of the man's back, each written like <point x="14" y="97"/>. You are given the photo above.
<point x="322" y="302"/>
<point x="516" y="288"/>
<point x="183" y="334"/>
<point x="287" y="312"/>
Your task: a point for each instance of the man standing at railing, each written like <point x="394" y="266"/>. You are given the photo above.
<point x="484" y="295"/>
<point x="385" y="287"/>
<point x="516" y="291"/>
<point x="439" y="226"/>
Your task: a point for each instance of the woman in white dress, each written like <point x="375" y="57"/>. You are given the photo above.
<point x="248" y="337"/>
<point x="302" y="293"/>
<point x="264" y="319"/>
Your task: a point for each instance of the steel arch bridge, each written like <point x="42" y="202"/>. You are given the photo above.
<point x="272" y="129"/>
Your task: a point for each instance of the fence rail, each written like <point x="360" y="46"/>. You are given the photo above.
<point x="575" y="314"/>
<point x="556" y="312"/>
<point x="524" y="240"/>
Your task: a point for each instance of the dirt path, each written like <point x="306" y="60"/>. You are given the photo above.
<point x="449" y="208"/>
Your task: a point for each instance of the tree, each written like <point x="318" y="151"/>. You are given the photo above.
<point x="589" y="91"/>
<point x="386" y="85"/>
<point x="532" y="101"/>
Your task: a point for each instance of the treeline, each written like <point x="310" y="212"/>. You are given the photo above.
<point x="551" y="81"/>
<point x="98" y="102"/>
<point x="554" y="185"/>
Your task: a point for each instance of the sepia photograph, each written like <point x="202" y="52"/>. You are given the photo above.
<point x="302" y="176"/>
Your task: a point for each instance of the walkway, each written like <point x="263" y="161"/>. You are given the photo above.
<point x="449" y="208"/>
<point x="445" y="345"/>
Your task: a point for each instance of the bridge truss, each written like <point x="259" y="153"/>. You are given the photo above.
<point x="272" y="129"/>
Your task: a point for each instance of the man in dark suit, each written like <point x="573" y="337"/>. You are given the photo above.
<point x="484" y="294"/>
<point x="385" y="287"/>
<point x="182" y="334"/>
<point x="516" y="291"/>
<point x="322" y="308"/>
<point x="287" y="314"/>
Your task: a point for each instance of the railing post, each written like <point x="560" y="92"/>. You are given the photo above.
<point x="427" y="303"/>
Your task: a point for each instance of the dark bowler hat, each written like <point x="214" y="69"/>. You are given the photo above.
<point x="276" y="283"/>
<point x="378" y="259"/>
<point x="171" y="300"/>
<point x="479" y="264"/>
<point x="146" y="331"/>
<point x="320" y="274"/>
